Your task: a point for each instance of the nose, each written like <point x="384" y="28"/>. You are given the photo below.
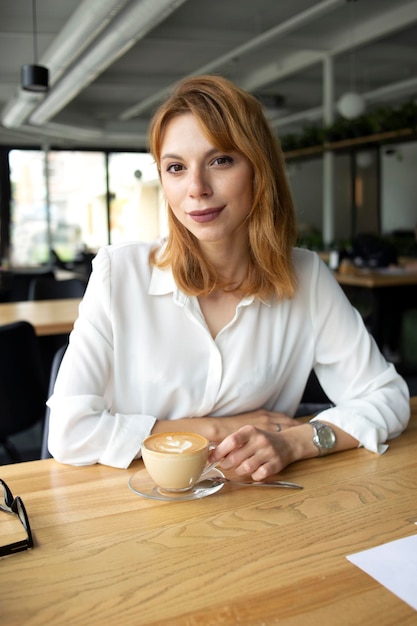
<point x="199" y="183"/>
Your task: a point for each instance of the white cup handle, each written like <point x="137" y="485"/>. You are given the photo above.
<point x="211" y="466"/>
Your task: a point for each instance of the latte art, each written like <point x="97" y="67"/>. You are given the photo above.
<point x="175" y="444"/>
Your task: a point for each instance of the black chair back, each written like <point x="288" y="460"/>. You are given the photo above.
<point x="45" y="454"/>
<point x="15" y="284"/>
<point x="314" y="399"/>
<point x="52" y="289"/>
<point x="23" y="385"/>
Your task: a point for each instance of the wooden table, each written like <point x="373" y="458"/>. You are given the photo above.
<point x="245" y="555"/>
<point x="377" y="278"/>
<point x="388" y="289"/>
<point x="49" y="317"/>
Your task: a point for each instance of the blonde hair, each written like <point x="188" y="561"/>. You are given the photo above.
<point x="233" y="120"/>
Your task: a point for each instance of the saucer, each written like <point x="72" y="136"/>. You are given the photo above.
<point x="142" y="484"/>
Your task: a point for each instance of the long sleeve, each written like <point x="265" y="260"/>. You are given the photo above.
<point x="86" y="424"/>
<point x="371" y="399"/>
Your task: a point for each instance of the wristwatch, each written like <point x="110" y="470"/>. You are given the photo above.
<point x="324" y="437"/>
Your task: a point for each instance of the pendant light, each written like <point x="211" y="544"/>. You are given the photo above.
<point x="35" y="77"/>
<point x="351" y="104"/>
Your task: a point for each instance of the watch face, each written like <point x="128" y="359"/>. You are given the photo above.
<point x="326" y="437"/>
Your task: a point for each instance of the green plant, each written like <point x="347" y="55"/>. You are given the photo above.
<point x="379" y="120"/>
<point x="312" y="239"/>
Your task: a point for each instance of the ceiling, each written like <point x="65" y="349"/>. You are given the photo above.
<point x="112" y="61"/>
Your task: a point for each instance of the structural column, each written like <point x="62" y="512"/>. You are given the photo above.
<point x="328" y="156"/>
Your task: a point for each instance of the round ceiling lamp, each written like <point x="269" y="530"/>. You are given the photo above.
<point x="35" y="77"/>
<point x="364" y="159"/>
<point x="351" y="105"/>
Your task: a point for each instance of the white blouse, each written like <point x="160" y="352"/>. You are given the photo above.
<point x="141" y="351"/>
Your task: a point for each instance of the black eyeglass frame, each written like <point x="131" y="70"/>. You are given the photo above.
<point x="14" y="505"/>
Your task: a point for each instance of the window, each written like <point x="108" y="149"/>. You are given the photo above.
<point x="60" y="200"/>
<point x="28" y="219"/>
<point x="134" y="198"/>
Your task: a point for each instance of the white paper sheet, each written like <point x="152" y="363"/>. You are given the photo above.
<point x="394" y="565"/>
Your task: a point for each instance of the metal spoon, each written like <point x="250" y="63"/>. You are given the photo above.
<point x="215" y="480"/>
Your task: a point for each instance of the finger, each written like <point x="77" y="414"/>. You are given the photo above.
<point x="232" y="442"/>
<point x="261" y="464"/>
<point x="239" y="446"/>
<point x="288" y="421"/>
<point x="283" y="424"/>
<point x="250" y="455"/>
<point x="267" y="469"/>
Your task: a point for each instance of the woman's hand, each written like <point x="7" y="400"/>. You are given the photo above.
<point x="261" y="453"/>
<point x="217" y="428"/>
<point x="268" y="421"/>
<point x="253" y="451"/>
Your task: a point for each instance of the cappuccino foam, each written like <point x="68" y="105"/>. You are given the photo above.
<point x="175" y="443"/>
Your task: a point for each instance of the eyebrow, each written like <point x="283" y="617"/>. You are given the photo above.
<point x="172" y="155"/>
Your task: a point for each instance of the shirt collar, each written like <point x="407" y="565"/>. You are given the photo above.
<point x="162" y="282"/>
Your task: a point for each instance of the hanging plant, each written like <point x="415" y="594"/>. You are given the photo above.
<point x="378" y="121"/>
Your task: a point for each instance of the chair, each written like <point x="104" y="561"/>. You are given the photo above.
<point x="80" y="265"/>
<point x="52" y="289"/>
<point x="314" y="398"/>
<point x="23" y="386"/>
<point x="45" y="454"/>
<point x="18" y="282"/>
<point x="6" y="284"/>
<point x="409" y="338"/>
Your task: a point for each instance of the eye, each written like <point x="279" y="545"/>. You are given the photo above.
<point x="175" y="167"/>
<point x="223" y="160"/>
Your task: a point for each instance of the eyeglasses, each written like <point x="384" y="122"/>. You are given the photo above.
<point x="15" y="506"/>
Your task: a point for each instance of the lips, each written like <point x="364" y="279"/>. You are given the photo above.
<point x="206" y="215"/>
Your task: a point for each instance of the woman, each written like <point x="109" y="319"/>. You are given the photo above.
<point x="216" y="330"/>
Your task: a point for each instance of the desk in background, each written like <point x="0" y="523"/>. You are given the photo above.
<point x="247" y="556"/>
<point x="49" y="317"/>
<point x="387" y="288"/>
<point x="385" y="277"/>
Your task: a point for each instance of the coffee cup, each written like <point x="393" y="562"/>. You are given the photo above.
<point x="175" y="461"/>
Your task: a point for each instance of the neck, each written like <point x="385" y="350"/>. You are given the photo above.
<point x="230" y="262"/>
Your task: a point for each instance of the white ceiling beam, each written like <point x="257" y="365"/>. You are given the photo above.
<point x="89" y="19"/>
<point x="84" y="25"/>
<point x="385" y="24"/>
<point x="17" y="110"/>
<point x="285" y="66"/>
<point x="299" y="20"/>
<point x="128" y="27"/>
<point x="365" y="32"/>
<point x="399" y="89"/>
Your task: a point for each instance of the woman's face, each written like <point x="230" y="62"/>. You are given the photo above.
<point x="208" y="190"/>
